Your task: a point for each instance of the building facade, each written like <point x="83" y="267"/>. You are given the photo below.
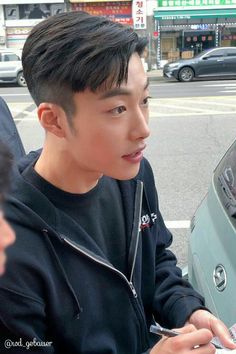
<point x="16" y="20"/>
<point x="18" y="17"/>
<point x="187" y="27"/>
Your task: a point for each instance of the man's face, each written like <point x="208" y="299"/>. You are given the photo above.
<point x="110" y="127"/>
<point x="7" y="237"/>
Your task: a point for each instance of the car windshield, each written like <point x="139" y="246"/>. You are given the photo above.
<point x="202" y="53"/>
<point x="226" y="175"/>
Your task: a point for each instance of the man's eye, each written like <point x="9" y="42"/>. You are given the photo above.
<point x="146" y="101"/>
<point x="118" y="110"/>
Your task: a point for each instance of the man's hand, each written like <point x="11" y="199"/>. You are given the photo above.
<point x="189" y="341"/>
<point x="204" y="319"/>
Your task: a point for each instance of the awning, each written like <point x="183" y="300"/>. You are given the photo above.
<point x="188" y="14"/>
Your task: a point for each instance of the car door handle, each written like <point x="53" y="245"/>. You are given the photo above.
<point x="220" y="59"/>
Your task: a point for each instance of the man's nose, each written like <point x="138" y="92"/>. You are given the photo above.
<point x="140" y="128"/>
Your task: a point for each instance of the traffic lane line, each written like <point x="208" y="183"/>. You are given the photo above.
<point x="199" y="100"/>
<point x="220" y="85"/>
<point x="177" y="224"/>
<point x="15" y="94"/>
<point x="188" y="114"/>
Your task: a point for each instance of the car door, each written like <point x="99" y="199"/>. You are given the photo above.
<point x="212" y="63"/>
<point x="9" y="65"/>
<point x="212" y="242"/>
<point x="230" y="61"/>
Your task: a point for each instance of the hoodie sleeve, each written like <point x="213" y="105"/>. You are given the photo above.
<point x="24" y="332"/>
<point x="22" y="309"/>
<point x="37" y="305"/>
<point x="174" y="298"/>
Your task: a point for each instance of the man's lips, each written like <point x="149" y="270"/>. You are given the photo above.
<point x="135" y="156"/>
<point x="135" y="153"/>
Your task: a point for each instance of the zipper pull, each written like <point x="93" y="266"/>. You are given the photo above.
<point x="133" y="289"/>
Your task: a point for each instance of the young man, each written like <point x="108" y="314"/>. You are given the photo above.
<point x="90" y="269"/>
<point x="7" y="235"/>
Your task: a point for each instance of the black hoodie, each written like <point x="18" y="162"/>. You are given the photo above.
<point x="59" y="295"/>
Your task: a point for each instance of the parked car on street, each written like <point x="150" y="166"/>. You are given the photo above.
<point x="11" y="67"/>
<point x="216" y="62"/>
<point x="212" y="242"/>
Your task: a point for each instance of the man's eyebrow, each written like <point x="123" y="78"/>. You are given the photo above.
<point x="119" y="91"/>
<point x="147" y="84"/>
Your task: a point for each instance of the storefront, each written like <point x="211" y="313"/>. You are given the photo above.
<point x="118" y="11"/>
<point x="186" y="31"/>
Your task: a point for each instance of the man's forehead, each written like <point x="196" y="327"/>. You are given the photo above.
<point x="123" y="89"/>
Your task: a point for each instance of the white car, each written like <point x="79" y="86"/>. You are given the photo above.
<point x="11" y="67"/>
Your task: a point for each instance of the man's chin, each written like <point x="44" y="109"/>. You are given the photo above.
<point x="128" y="174"/>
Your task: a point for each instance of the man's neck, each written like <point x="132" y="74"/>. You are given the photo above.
<point x="63" y="174"/>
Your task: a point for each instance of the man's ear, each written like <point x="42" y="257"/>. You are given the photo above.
<point x="52" y="118"/>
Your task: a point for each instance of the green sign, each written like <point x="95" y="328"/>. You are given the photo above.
<point x="189" y="3"/>
<point x="188" y="14"/>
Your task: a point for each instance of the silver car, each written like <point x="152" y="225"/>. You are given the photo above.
<point x="11" y="67"/>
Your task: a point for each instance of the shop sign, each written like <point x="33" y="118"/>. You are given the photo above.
<point x="10" y="2"/>
<point x="196" y="3"/>
<point x="229" y="37"/>
<point x="32" y="11"/>
<point x="18" y="30"/>
<point x="200" y="27"/>
<point x="116" y="11"/>
<point x="95" y="1"/>
<point x="140" y="14"/>
<point x="178" y="14"/>
<point x="178" y="17"/>
<point x="16" y="36"/>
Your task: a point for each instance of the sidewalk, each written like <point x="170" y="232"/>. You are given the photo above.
<point x="155" y="75"/>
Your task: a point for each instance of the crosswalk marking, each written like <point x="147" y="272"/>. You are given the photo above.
<point x="225" y="87"/>
<point x="192" y="106"/>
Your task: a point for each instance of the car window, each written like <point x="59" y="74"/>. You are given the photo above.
<point x="231" y="52"/>
<point x="216" y="53"/>
<point x="0" y="57"/>
<point x="225" y="181"/>
<point x="202" y="53"/>
<point x="11" y="57"/>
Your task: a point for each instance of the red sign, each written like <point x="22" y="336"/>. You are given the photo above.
<point x="117" y="11"/>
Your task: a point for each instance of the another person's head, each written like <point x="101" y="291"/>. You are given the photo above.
<point x="78" y="63"/>
<point x="7" y="235"/>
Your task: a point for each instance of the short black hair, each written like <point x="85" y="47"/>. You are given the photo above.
<point x="6" y="162"/>
<point x="73" y="51"/>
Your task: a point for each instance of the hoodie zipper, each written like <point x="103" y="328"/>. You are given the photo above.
<point x="95" y="259"/>
<point x="137" y="216"/>
<point x="136" y="234"/>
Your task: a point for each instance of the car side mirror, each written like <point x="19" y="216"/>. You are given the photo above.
<point x="205" y="58"/>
